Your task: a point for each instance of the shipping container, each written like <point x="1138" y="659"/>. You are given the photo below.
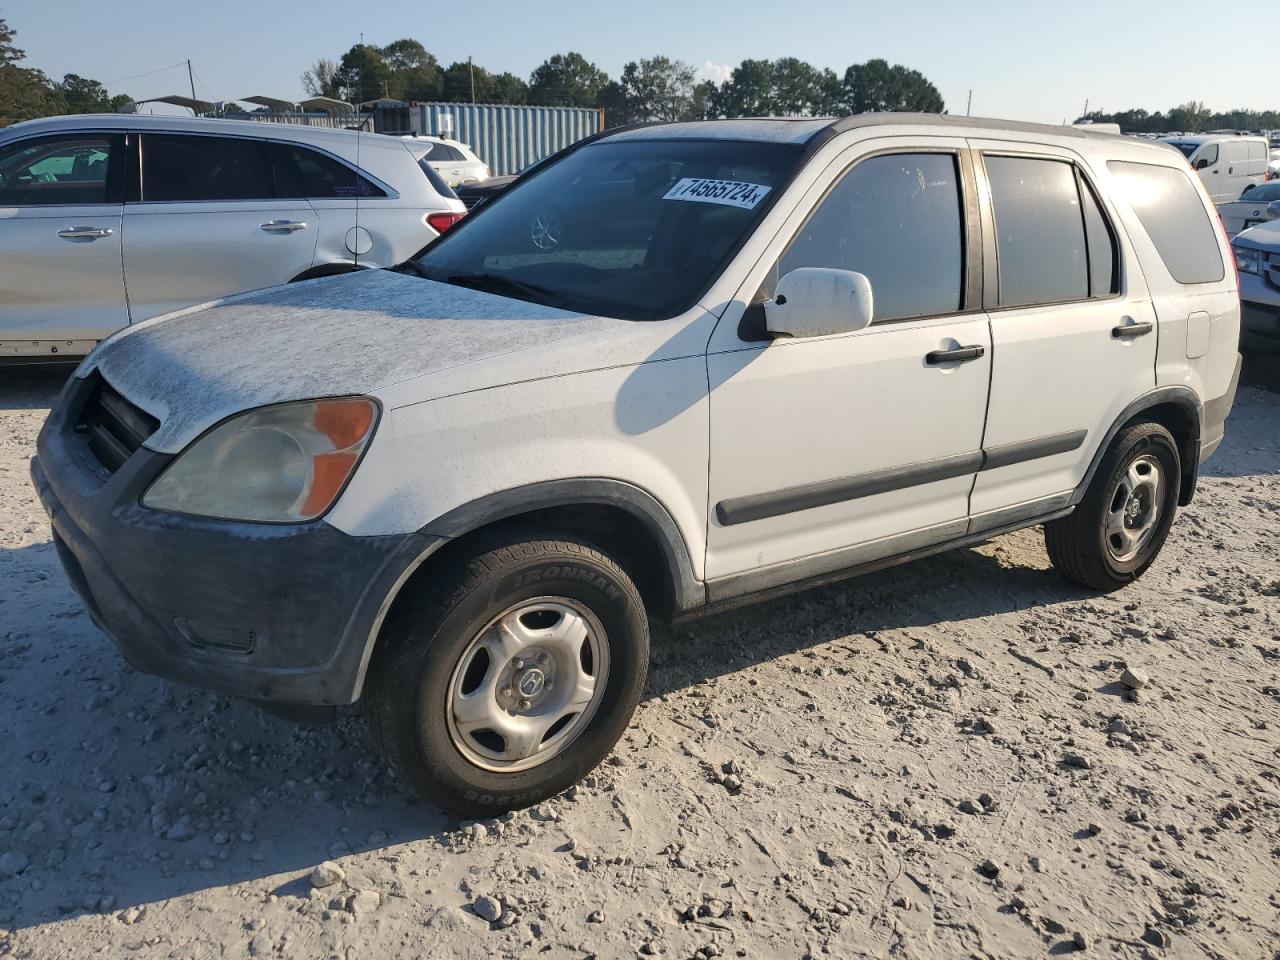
<point x="508" y="138"/>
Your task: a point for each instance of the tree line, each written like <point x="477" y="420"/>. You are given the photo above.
<point x="26" y="93"/>
<point x="652" y="88"/>
<point x="1190" y="117"/>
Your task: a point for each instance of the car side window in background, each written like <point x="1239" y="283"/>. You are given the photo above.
<point x="178" y="168"/>
<point x="300" y="172"/>
<point x="1208" y="157"/>
<point x="55" y="171"/>
<point x="896" y="219"/>
<point x="1040" y="239"/>
<point x="1169" y="207"/>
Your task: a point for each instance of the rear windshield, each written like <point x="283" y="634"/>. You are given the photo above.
<point x="437" y="181"/>
<point x="636" y="229"/>
<point x="1174" y="217"/>
<point x="1262" y="193"/>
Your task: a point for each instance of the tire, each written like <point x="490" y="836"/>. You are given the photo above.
<point x="1085" y="546"/>
<point x="444" y="659"/>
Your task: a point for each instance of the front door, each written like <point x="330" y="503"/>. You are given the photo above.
<point x="1073" y="332"/>
<point x="61" y="286"/>
<point x="827" y="451"/>
<point x="209" y="225"/>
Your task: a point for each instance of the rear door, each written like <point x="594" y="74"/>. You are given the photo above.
<point x="1072" y="328"/>
<point x="828" y="451"/>
<point x="60" y="211"/>
<point x="208" y="224"/>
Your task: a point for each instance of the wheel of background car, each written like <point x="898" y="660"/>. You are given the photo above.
<point x="1117" y="530"/>
<point x="546" y="231"/>
<point x="511" y="676"/>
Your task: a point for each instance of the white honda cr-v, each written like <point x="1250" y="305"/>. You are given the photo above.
<point x="675" y="368"/>
<point x="110" y="220"/>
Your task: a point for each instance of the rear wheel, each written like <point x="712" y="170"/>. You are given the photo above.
<point x="512" y="677"/>
<point x="1117" y="531"/>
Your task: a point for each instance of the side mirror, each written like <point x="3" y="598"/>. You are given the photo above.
<point x="818" y="302"/>
<point x="1202" y="163"/>
<point x="1273" y="210"/>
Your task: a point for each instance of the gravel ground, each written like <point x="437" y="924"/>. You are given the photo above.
<point x="941" y="760"/>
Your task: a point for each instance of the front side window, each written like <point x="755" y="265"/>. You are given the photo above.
<point x="178" y="167"/>
<point x="1174" y="217"/>
<point x="897" y="220"/>
<point x="55" y="171"/>
<point x="306" y="173"/>
<point x="636" y="229"/>
<point x="1207" y="157"/>
<point x="1040" y="231"/>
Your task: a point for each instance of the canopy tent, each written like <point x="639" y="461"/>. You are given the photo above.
<point x="327" y="105"/>
<point x="195" y="106"/>
<point x="274" y="104"/>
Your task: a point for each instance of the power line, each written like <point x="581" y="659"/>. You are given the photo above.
<point x="136" y="76"/>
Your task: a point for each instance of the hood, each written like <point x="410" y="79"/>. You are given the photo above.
<point x="342" y="335"/>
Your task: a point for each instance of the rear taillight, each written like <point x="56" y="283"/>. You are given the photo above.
<point x="440" y="222"/>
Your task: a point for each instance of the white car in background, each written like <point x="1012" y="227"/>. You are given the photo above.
<point x="452" y="159"/>
<point x="111" y="220"/>
<point x="1256" y="205"/>
<point x="1227" y="163"/>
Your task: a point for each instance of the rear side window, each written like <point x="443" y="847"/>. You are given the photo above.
<point x="896" y="219"/>
<point x="1040" y="231"/>
<point x="302" y="172"/>
<point x="178" y="167"/>
<point x="1174" y="217"/>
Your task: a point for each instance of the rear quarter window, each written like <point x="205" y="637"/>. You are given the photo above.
<point x="1174" y="217"/>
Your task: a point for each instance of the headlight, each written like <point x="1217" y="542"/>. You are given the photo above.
<point x="279" y="464"/>
<point x="1247" y="260"/>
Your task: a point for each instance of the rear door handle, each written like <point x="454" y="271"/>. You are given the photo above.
<point x="85" y="233"/>
<point x="958" y="355"/>
<point x="1127" y="331"/>
<point x="283" y="226"/>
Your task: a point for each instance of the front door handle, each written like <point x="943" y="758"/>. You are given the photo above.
<point x="1127" y="331"/>
<point x="85" y="233"/>
<point x="958" y="355"/>
<point x="283" y="226"/>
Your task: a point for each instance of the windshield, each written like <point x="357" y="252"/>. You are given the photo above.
<point x="637" y="229"/>
<point x="1187" y="148"/>
<point x="1263" y="193"/>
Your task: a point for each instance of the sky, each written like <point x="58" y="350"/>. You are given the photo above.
<point x="1027" y="61"/>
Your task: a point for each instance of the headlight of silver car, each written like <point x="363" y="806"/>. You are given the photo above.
<point x="278" y="464"/>
<point x="1248" y="260"/>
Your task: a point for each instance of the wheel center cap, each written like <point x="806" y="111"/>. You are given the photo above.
<point x="531" y="683"/>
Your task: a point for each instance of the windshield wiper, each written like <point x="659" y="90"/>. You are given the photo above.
<point x="411" y="266"/>
<point x="495" y="283"/>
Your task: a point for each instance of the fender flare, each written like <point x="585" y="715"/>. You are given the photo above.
<point x="1180" y="396"/>
<point x="687" y="592"/>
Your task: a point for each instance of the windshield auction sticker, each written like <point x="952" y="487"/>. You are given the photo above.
<point x="729" y="192"/>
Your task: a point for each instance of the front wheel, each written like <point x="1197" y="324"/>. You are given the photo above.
<point x="512" y="677"/>
<point x="1117" y="531"/>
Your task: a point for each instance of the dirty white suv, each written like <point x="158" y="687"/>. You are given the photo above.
<point x="676" y="368"/>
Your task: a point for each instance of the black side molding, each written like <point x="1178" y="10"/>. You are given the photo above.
<point x="1009" y="453"/>
<point x="760" y="506"/>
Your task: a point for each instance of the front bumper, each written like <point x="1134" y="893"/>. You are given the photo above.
<point x="277" y="613"/>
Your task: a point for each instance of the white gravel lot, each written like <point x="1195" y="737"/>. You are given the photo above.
<point x="939" y="760"/>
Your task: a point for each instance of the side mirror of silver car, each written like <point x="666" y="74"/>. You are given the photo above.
<point x="818" y="302"/>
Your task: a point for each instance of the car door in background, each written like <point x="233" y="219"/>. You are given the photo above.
<point x="208" y="224"/>
<point x="839" y="449"/>
<point x="1073" y="333"/>
<point x="332" y="190"/>
<point x="60" y="211"/>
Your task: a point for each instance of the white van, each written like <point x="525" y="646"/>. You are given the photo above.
<point x="1226" y="163"/>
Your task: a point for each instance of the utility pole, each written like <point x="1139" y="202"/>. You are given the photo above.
<point x="472" y="71"/>
<point x="1086" y="108"/>
<point x="968" y="109"/>
<point x="191" y="77"/>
